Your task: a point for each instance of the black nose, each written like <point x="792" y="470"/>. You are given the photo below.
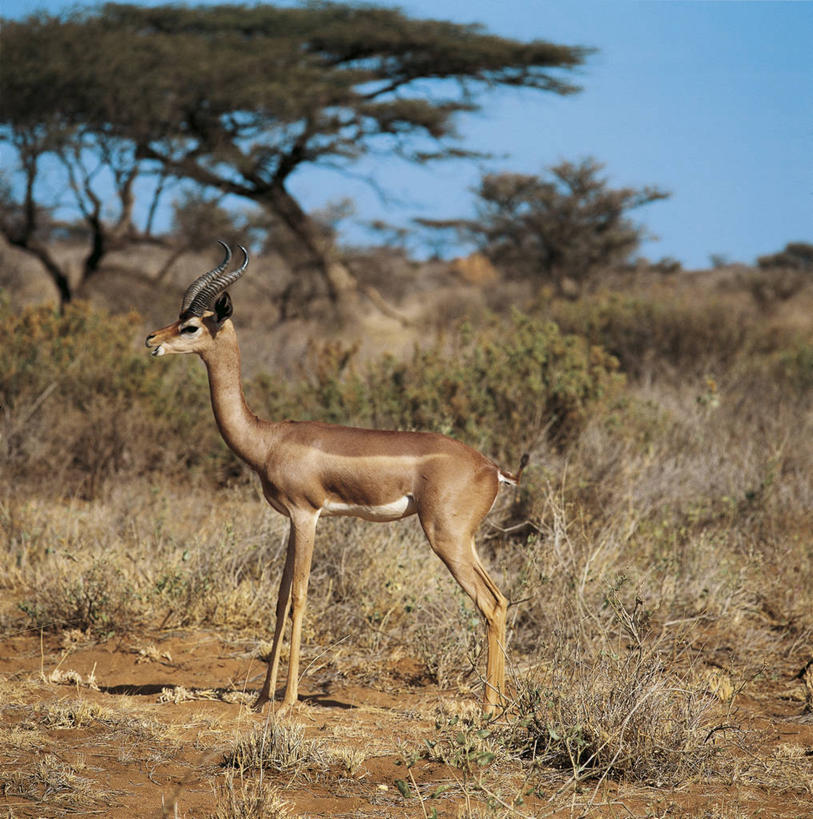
<point x="149" y="339"/>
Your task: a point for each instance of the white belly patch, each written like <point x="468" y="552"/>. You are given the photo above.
<point x="394" y="510"/>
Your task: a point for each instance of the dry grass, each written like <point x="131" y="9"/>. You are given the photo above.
<point x="658" y="561"/>
<point x="63" y="786"/>
<point x="276" y="746"/>
<point x="619" y="715"/>
<point x="254" y="798"/>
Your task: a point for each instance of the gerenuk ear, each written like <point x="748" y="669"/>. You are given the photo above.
<point x="223" y="308"/>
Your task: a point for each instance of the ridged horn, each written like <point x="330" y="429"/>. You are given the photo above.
<point x="201" y="281"/>
<point x="212" y="285"/>
<point x="228" y="279"/>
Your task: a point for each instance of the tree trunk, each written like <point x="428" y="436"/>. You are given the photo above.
<point x="52" y="268"/>
<point x="342" y="287"/>
<point x="59" y="278"/>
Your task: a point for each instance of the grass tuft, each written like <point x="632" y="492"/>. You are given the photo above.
<point x="238" y="797"/>
<point x="276" y="746"/>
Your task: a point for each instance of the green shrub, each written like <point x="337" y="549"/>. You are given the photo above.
<point x="795" y="365"/>
<point x="82" y="402"/>
<point x="501" y="389"/>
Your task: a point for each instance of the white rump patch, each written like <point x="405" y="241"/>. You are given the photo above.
<point x="395" y="510"/>
<point x="506" y="479"/>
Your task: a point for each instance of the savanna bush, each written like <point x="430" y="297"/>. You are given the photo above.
<point x="666" y="334"/>
<point x="100" y="599"/>
<point x="795" y="365"/>
<point x="81" y="403"/>
<point x="501" y="388"/>
<point x="612" y="714"/>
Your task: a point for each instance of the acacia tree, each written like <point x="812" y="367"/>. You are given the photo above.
<point x="239" y="98"/>
<point x="796" y="256"/>
<point x="46" y="78"/>
<point x="92" y="166"/>
<point x="562" y="227"/>
<point x="780" y="276"/>
<point x="23" y="221"/>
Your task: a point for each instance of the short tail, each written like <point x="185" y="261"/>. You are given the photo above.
<point x="513" y="478"/>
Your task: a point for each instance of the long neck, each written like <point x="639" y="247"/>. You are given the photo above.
<point x="238" y="425"/>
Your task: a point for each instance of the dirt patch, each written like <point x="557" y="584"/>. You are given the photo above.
<point x="142" y="726"/>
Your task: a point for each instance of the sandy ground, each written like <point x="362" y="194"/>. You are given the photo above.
<point x="140" y="726"/>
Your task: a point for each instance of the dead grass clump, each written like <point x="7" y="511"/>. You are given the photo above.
<point x="276" y="746"/>
<point x="348" y="758"/>
<point x="377" y="589"/>
<point x="71" y="677"/>
<point x="80" y="713"/>
<point x="612" y="716"/>
<point x="100" y="599"/>
<point x="227" y="573"/>
<point x="51" y="781"/>
<point x="247" y="798"/>
<point x="177" y="694"/>
<point x="613" y="695"/>
<point x="380" y="590"/>
<point x="451" y="638"/>
<point x="77" y="714"/>
<point x="144" y="555"/>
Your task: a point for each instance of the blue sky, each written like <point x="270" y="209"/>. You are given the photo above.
<point x="710" y="100"/>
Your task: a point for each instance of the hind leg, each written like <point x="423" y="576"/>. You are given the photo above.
<point x="457" y="550"/>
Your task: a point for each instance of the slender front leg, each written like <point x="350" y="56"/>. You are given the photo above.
<point x="303" y="531"/>
<point x="283" y="606"/>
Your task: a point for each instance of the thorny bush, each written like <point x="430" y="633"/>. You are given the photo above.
<point x="82" y="403"/>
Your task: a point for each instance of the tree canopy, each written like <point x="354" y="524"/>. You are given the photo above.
<point x="795" y="256"/>
<point x="562" y="226"/>
<point x="238" y="97"/>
